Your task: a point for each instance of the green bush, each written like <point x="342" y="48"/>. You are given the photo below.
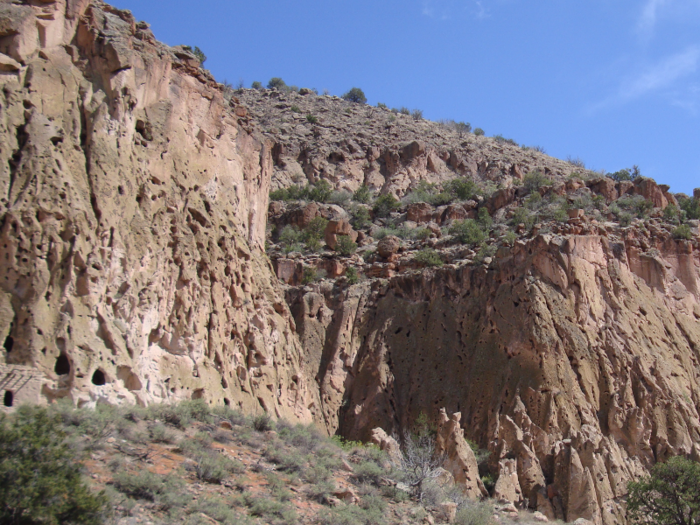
<point x="404" y="110"/>
<point x="276" y="83"/>
<point x="214" y="467"/>
<point x="691" y="207"/>
<point x="428" y="257"/>
<point x="362" y="195"/>
<point x="263" y="423"/>
<point x="479" y="132"/>
<point x="430" y="193"/>
<point x="683" y="232"/>
<point x="40" y="479"/>
<point x="475" y="514"/>
<point x="417" y="114"/>
<point x="672" y="214"/>
<point x="368" y="472"/>
<point x="360" y="217"/>
<point x="182" y="414"/>
<point x="534" y="180"/>
<point x="385" y="204"/>
<point x="159" y="433"/>
<point x="462" y="189"/>
<point x="523" y="216"/>
<point x="165" y="491"/>
<point x="291" y="238"/>
<point x="351" y="275"/>
<point x="468" y="231"/>
<point x="345" y="245"/>
<point x="355" y="95"/>
<point x="350" y="515"/>
<point x="256" y="85"/>
<point x="216" y="508"/>
<point x="669" y="496"/>
<point x="267" y="508"/>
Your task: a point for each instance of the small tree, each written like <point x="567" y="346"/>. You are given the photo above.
<point x="670" y="496"/>
<point x="355" y="95"/>
<point x="200" y="55"/>
<point x="276" y="83"/>
<point x="385" y="204"/>
<point x="40" y="479"/>
<point x="419" y="460"/>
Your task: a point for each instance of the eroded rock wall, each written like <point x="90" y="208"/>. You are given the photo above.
<point x="133" y="202"/>
<point x="573" y="359"/>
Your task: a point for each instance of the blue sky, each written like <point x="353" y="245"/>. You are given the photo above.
<point x="612" y="82"/>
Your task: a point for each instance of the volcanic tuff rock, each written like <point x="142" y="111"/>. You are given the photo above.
<point x="351" y="144"/>
<point x="134" y="202"/>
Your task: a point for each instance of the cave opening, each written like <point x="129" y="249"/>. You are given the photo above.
<point x="8" y="398"/>
<point x="62" y="366"/>
<point x="98" y="378"/>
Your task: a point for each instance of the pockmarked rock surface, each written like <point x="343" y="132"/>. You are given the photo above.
<point x="133" y="200"/>
<point x="134" y="213"/>
<point x="571" y="358"/>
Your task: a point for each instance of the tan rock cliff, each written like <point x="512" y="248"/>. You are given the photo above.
<point x="133" y="203"/>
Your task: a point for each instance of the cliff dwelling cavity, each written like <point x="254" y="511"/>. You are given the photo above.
<point x="8" y="398"/>
<point x="62" y="366"/>
<point x="98" y="378"/>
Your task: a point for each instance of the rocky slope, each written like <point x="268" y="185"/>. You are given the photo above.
<point x="565" y="331"/>
<point x="133" y="204"/>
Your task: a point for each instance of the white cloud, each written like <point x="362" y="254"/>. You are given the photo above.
<point x="662" y="75"/>
<point x="650" y="13"/>
<point x="447" y="9"/>
<point x="664" y="78"/>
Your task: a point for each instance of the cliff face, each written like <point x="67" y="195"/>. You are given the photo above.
<point x="134" y="202"/>
<point x="577" y="356"/>
<point x="133" y="214"/>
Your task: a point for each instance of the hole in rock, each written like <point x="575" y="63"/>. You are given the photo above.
<point x="8" y="398"/>
<point x="62" y="366"/>
<point x="226" y="402"/>
<point x="98" y="378"/>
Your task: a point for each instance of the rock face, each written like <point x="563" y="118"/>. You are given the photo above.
<point x="459" y="457"/>
<point x="571" y="358"/>
<point x="133" y="202"/>
<point x="134" y="205"/>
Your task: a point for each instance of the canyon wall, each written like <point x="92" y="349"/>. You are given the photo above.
<point x="575" y="356"/>
<point x="133" y="203"/>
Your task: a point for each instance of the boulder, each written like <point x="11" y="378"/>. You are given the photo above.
<point x="507" y="486"/>
<point x="651" y="191"/>
<point x="604" y="186"/>
<point x="301" y="217"/>
<point x="500" y="199"/>
<point x="388" y="246"/>
<point x="386" y="443"/>
<point x="419" y="212"/>
<point x="336" y="228"/>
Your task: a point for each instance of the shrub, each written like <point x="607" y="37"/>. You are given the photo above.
<point x="363" y="195"/>
<point x="404" y="110"/>
<point x="625" y="218"/>
<point x="576" y="161"/>
<point x="385" y="204"/>
<point x="352" y="276"/>
<point x="463" y="189"/>
<point x="321" y="191"/>
<point x="671" y="213"/>
<point x="276" y="83"/>
<point x="475" y="514"/>
<point x="263" y="423"/>
<point x="417" y="114"/>
<point x="484" y="218"/>
<point x="691" y="207"/>
<point x="468" y="232"/>
<point x="418" y="461"/>
<point x="683" y="232"/>
<point x="523" y="216"/>
<point x="312" y="275"/>
<point x="315" y="229"/>
<point x="216" y="508"/>
<point x="295" y="109"/>
<point x="214" y="468"/>
<point x="290" y="237"/>
<point x="479" y="132"/>
<point x="159" y="433"/>
<point x="381" y="105"/>
<point x="428" y="257"/>
<point x="355" y="95"/>
<point x="345" y="245"/>
<point x="534" y="180"/>
<point x="360" y="217"/>
<point x="268" y="508"/>
<point x="165" y="491"/>
<point x="39" y="476"/>
<point x="256" y="85"/>
<point x="669" y="496"/>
